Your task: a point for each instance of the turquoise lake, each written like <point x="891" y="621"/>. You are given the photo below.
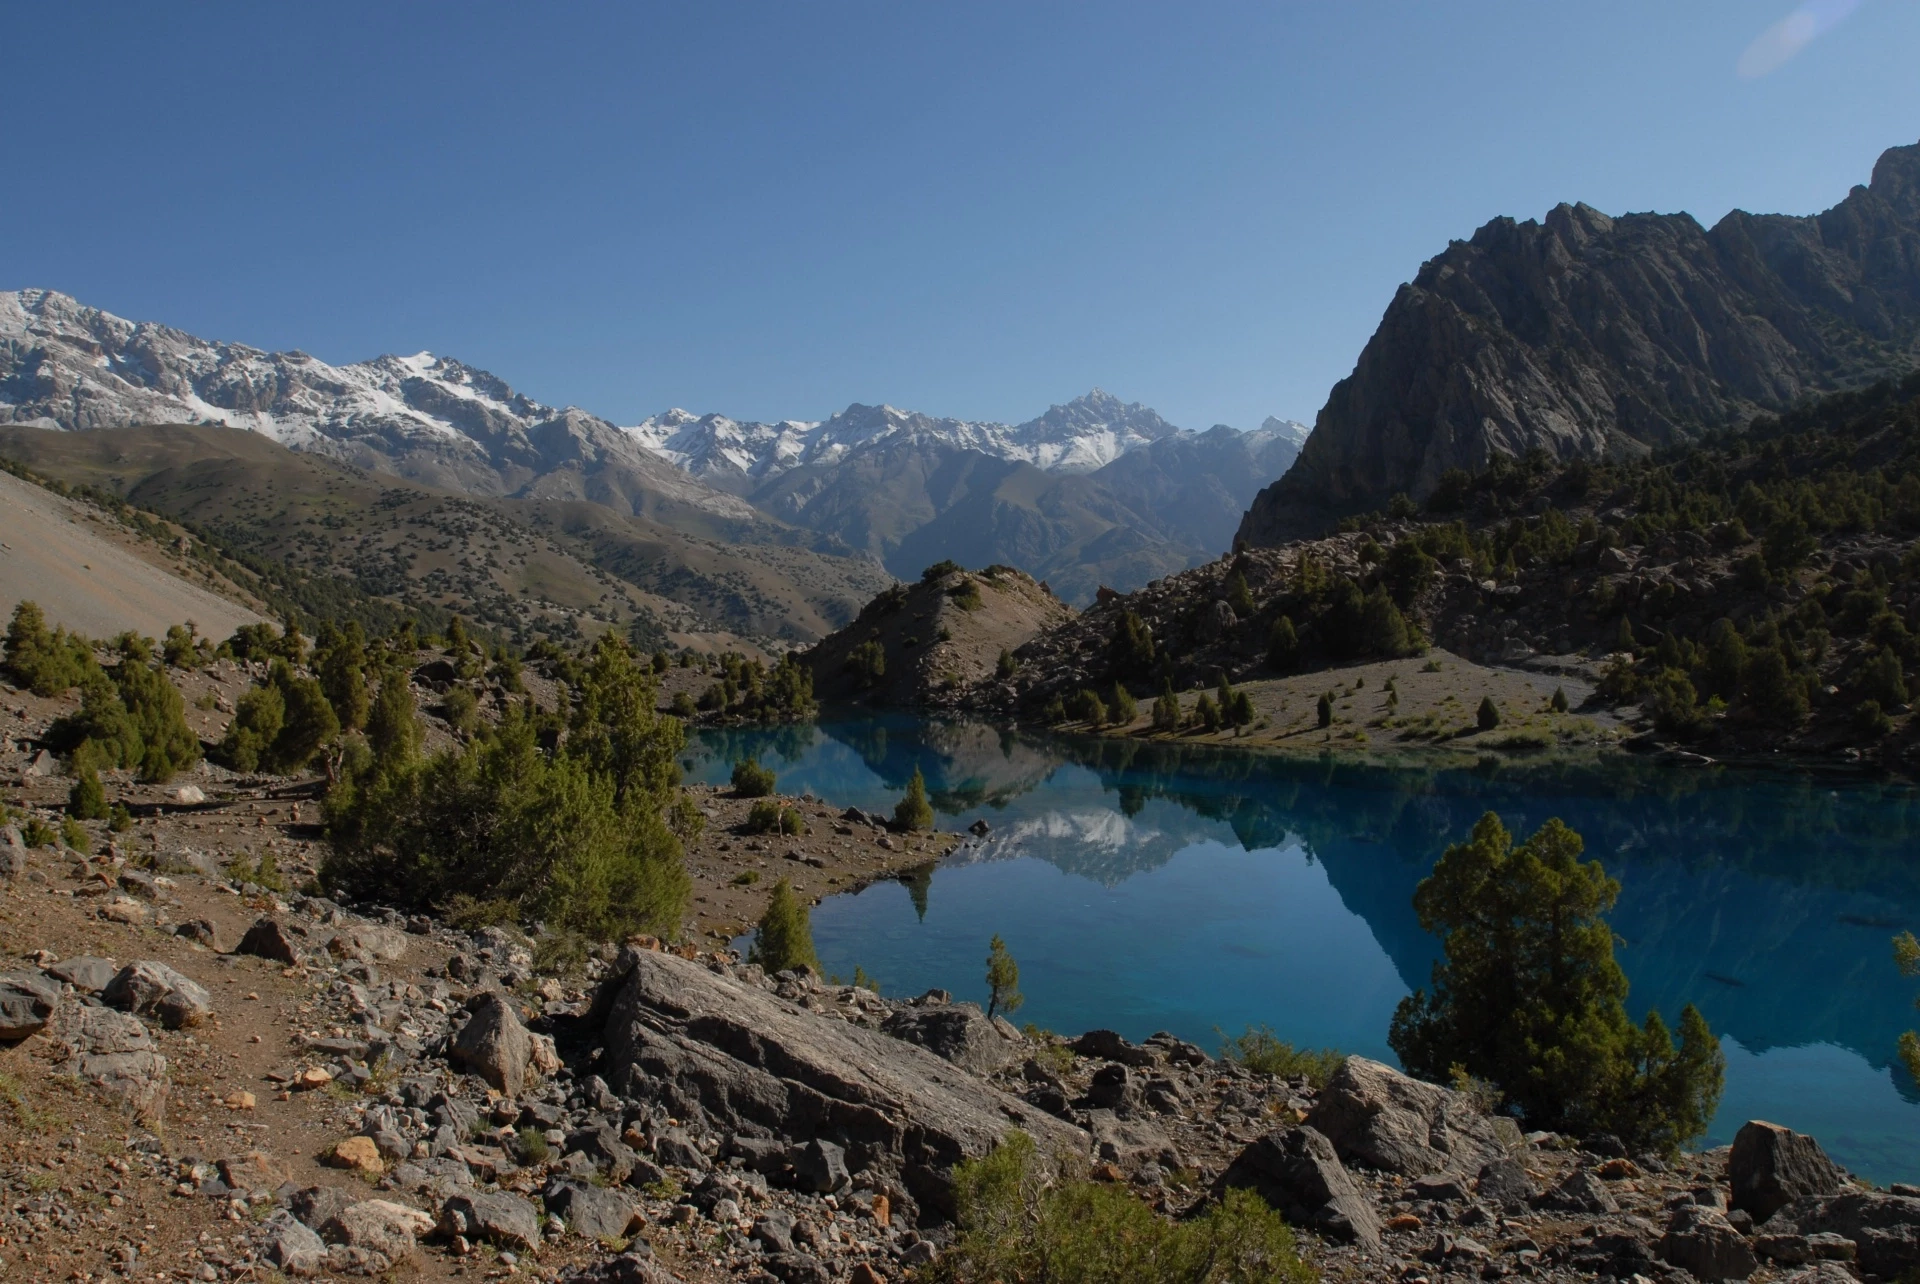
<point x="1145" y="887"/>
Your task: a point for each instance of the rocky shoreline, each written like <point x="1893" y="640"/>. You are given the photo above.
<point x="399" y="1092"/>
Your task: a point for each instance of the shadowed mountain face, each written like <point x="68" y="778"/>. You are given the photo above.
<point x="1585" y="335"/>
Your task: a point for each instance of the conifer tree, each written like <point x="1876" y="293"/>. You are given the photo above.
<point x="1488" y="716"/>
<point x="1283" y="646"/>
<point x="1529" y="996"/>
<point x="86" y="800"/>
<point x="1166" y="709"/>
<point x="784" y="938"/>
<point x="914" y="812"/>
<point x="1003" y="979"/>
<point x="1323" y="709"/>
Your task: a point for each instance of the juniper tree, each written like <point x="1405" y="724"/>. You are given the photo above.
<point x="1529" y="996"/>
<point x="1003" y="979"/>
<point x="914" y="812"/>
<point x="784" y="937"/>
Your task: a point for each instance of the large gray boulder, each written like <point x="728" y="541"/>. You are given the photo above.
<point x="377" y="1226"/>
<point x="708" y="1047"/>
<point x="1771" y="1166"/>
<point x="957" y="1032"/>
<point x="1379" y="1118"/>
<point x="154" y="989"/>
<point x="1297" y="1172"/>
<point x="270" y="939"/>
<point x="594" y="1211"/>
<point x="87" y="974"/>
<point x="27" y="1003"/>
<point x="114" y="1054"/>
<point x="495" y="1216"/>
<point x="493" y="1044"/>
<point x="292" y="1247"/>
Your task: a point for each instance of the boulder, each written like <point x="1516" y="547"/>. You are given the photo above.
<point x="495" y="1216"/>
<point x="1113" y="1088"/>
<point x="27" y="1003"/>
<point x="13" y="854"/>
<point x="593" y="1211"/>
<point x="377" y="1226"/>
<point x="315" y="1206"/>
<point x="493" y="1044"/>
<point x="1504" y="1183"/>
<point x="154" y="989"/>
<point x="604" y="1149"/>
<point x="358" y="1154"/>
<point x="773" y="1230"/>
<point x="87" y="974"/>
<point x="1130" y="1143"/>
<point x="113" y="1053"/>
<point x="1379" y="1118"/>
<point x="253" y="1170"/>
<point x="270" y="939"/>
<point x="958" y="1032"/>
<point x="819" y="1166"/>
<point x="627" y="1268"/>
<point x="705" y="1046"/>
<point x="291" y="1246"/>
<point x="201" y="932"/>
<point x="1701" y="1241"/>
<point x="1771" y="1166"/>
<point x="1297" y="1172"/>
<point x="368" y="943"/>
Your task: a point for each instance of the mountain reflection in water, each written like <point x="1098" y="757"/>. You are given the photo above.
<point x="1148" y="887"/>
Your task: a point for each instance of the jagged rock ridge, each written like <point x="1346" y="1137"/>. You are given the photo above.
<point x="1585" y="335"/>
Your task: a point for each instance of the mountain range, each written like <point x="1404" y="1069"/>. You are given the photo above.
<point x="1094" y="491"/>
<point x="1590" y="335"/>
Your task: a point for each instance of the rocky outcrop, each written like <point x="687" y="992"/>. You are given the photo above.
<point x="739" y="1060"/>
<point x="956" y="1032"/>
<point x="1586" y="335"/>
<point x="113" y="1053"/>
<point x="1380" y="1118"/>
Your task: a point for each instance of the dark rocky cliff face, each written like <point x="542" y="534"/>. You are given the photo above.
<point x="1585" y="335"/>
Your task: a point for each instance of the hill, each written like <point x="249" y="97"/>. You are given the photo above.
<point x="1589" y="336"/>
<point x="935" y="643"/>
<point x="524" y="567"/>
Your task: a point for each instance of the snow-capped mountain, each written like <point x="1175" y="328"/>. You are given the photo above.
<point x="65" y="365"/>
<point x="1084" y="435"/>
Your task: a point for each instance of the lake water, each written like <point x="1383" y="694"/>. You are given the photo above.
<point x="1200" y="891"/>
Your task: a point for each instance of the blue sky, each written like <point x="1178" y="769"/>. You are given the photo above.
<point x="772" y="210"/>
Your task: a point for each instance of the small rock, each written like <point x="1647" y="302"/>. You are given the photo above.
<point x="310" y="1078"/>
<point x="1700" y="1240"/>
<point x="291" y="1246"/>
<point x="360" y="1154"/>
<point x="1580" y="1192"/>
<point x="191" y="795"/>
<point x="819" y="1166"/>
<point x="254" y="1170"/>
<point x="123" y="909"/>
<point x="269" y="938"/>
<point x="201" y="932"/>
<point x="377" y="1226"/>
<point x="592" y="1211"/>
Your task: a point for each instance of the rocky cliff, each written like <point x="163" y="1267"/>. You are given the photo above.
<point x="1586" y="335"/>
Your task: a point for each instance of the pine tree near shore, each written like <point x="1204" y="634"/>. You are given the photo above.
<point x="1003" y="979"/>
<point x="784" y="939"/>
<point x="914" y="812"/>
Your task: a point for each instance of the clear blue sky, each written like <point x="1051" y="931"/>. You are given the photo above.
<point x="774" y="209"/>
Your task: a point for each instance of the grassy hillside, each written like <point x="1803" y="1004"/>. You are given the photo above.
<point x="525" y="568"/>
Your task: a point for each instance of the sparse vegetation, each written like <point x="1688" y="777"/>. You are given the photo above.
<point x="751" y="780"/>
<point x="1262" y="1051"/>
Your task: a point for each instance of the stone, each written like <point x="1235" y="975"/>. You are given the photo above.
<point x="113" y="1053"/>
<point x="269" y="939"/>
<point x="1821" y="1273"/>
<point x="493" y="1044"/>
<point x="291" y="1246"/>
<point x="1105" y="1045"/>
<point x="798" y="1268"/>
<point x="1769" y="1167"/>
<point x="27" y="1003"/>
<point x="773" y="1231"/>
<point x="378" y="1226"/>
<point x="627" y="1268"/>
<point x="496" y="1216"/>
<point x="1580" y="1192"/>
<point x="1504" y="1183"/>
<point x="675" y="1149"/>
<point x="13" y="854"/>
<point x="1701" y="1241"/>
<point x="315" y="1206"/>
<point x="819" y="1166"/>
<point x="1129" y="1142"/>
<point x="1885" y="1229"/>
<point x="254" y="1170"/>
<point x="368" y="942"/>
<point x="1379" y="1118"/>
<point x="149" y="988"/>
<point x="201" y="932"/>
<point x="191" y="795"/>
<point x="136" y="883"/>
<point x="1440" y="1188"/>
<point x="959" y="1032"/>
<point x="359" y="1154"/>
<point x="87" y="974"/>
<point x="593" y="1211"/>
<point x="126" y="910"/>
<point x="602" y="1145"/>
<point x="1113" y="1088"/>
<point x="699" y="1044"/>
<point x="1298" y="1173"/>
